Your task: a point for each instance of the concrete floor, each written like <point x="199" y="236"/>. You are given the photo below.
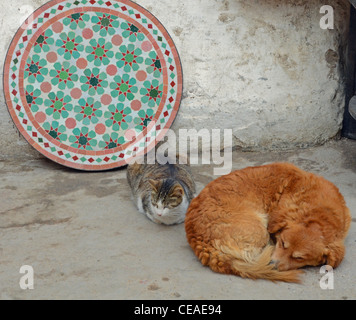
<point x="85" y="240"/>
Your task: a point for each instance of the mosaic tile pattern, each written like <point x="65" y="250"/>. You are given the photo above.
<point x="92" y="83"/>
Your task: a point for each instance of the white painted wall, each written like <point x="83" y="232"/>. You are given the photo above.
<point x="264" y="68"/>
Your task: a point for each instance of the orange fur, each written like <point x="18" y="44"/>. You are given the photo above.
<point x="229" y="224"/>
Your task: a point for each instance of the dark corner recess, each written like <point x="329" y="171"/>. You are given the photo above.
<point x="349" y="124"/>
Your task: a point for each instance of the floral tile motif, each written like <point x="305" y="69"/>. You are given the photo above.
<point x="91" y="83"/>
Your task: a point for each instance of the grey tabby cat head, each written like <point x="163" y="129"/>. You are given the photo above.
<point x="161" y="192"/>
<point x="166" y="194"/>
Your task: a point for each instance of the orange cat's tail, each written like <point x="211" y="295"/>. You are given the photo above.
<point x="247" y="265"/>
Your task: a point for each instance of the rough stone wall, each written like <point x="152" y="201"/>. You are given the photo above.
<point x="263" y="68"/>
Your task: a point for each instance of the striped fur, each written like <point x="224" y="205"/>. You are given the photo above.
<point x="161" y="192"/>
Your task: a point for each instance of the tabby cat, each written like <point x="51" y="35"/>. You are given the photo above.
<point x="161" y="192"/>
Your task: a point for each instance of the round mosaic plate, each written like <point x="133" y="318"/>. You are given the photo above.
<point x="92" y="83"/>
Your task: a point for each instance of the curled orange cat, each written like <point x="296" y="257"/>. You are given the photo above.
<point x="265" y="222"/>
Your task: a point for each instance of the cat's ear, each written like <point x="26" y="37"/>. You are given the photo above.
<point x="177" y="191"/>
<point x="154" y="184"/>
